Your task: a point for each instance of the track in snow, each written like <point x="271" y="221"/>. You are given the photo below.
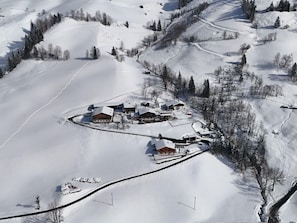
<point x="42" y="107"/>
<point x="212" y="24"/>
<point x="208" y="51"/>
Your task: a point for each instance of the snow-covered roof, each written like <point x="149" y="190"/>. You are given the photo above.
<point x="103" y="110"/>
<point x="162" y="143"/>
<point x="144" y="110"/>
<point x="174" y="103"/>
<point x="129" y="105"/>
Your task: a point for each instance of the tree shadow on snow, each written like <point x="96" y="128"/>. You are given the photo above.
<point x="150" y="150"/>
<point x="170" y="6"/>
<point x="83" y="58"/>
<point x="25" y="205"/>
<point x="87" y="117"/>
<point x="278" y="77"/>
<point x="234" y="14"/>
<point x="247" y="188"/>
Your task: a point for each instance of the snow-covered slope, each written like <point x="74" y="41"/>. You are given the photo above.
<point x="40" y="150"/>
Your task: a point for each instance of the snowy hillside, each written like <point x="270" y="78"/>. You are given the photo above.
<point x="40" y="149"/>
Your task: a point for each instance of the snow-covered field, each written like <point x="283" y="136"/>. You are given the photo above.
<point x="40" y="150"/>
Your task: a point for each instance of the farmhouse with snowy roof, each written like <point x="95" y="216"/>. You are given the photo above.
<point x="146" y="114"/>
<point x="129" y="107"/>
<point x="163" y="146"/>
<point x="102" y="114"/>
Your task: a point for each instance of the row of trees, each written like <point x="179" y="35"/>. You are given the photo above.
<point x="182" y="3"/>
<point x="155" y="26"/>
<point x="34" y="36"/>
<point x="243" y="139"/>
<point x="174" y="30"/>
<point x="179" y="86"/>
<point x="37" y="30"/>
<point x="94" y="53"/>
<point x="103" y="18"/>
<point x="249" y="8"/>
<point x="54" y="216"/>
<point x="286" y="62"/>
<point x="282" y="6"/>
<point x="53" y="53"/>
<point x="283" y="61"/>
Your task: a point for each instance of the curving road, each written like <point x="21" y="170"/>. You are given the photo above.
<point x="102" y="187"/>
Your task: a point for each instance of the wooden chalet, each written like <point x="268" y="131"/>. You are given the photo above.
<point x="164" y="146"/>
<point x="129" y="108"/>
<point x="146" y="115"/>
<point x="102" y="114"/>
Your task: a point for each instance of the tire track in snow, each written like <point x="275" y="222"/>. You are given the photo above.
<point x="42" y="107"/>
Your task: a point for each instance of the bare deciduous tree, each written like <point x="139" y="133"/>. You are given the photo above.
<point x="56" y="215"/>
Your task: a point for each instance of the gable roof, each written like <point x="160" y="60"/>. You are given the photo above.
<point x="163" y="143"/>
<point x="174" y="103"/>
<point x="128" y="105"/>
<point x="103" y="110"/>
<point x="144" y="110"/>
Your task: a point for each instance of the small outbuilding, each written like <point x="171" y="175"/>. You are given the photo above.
<point x="102" y="114"/>
<point x="172" y="105"/>
<point x="163" y="146"/>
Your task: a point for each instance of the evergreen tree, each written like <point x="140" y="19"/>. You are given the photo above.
<point x="277" y="22"/>
<point x="191" y="87"/>
<point x="178" y="85"/>
<point x="94" y="53"/>
<point x="294" y="72"/>
<point x="113" y="51"/>
<point x="153" y="26"/>
<point x="11" y="62"/>
<point x="243" y="60"/>
<point x="1" y="73"/>
<point x="159" y="26"/>
<point x="249" y="8"/>
<point x="206" y="90"/>
<point x="271" y="7"/>
<point x="165" y="76"/>
<point x="35" y="52"/>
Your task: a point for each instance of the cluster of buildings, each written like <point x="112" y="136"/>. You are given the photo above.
<point x="144" y="113"/>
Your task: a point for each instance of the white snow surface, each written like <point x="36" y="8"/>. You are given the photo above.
<point x="40" y="150"/>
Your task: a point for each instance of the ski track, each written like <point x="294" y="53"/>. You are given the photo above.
<point x="208" y="51"/>
<point x="285" y="121"/>
<point x="212" y="24"/>
<point x="42" y="107"/>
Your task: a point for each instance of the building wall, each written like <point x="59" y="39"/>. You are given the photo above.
<point x="166" y="150"/>
<point x="102" y="118"/>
